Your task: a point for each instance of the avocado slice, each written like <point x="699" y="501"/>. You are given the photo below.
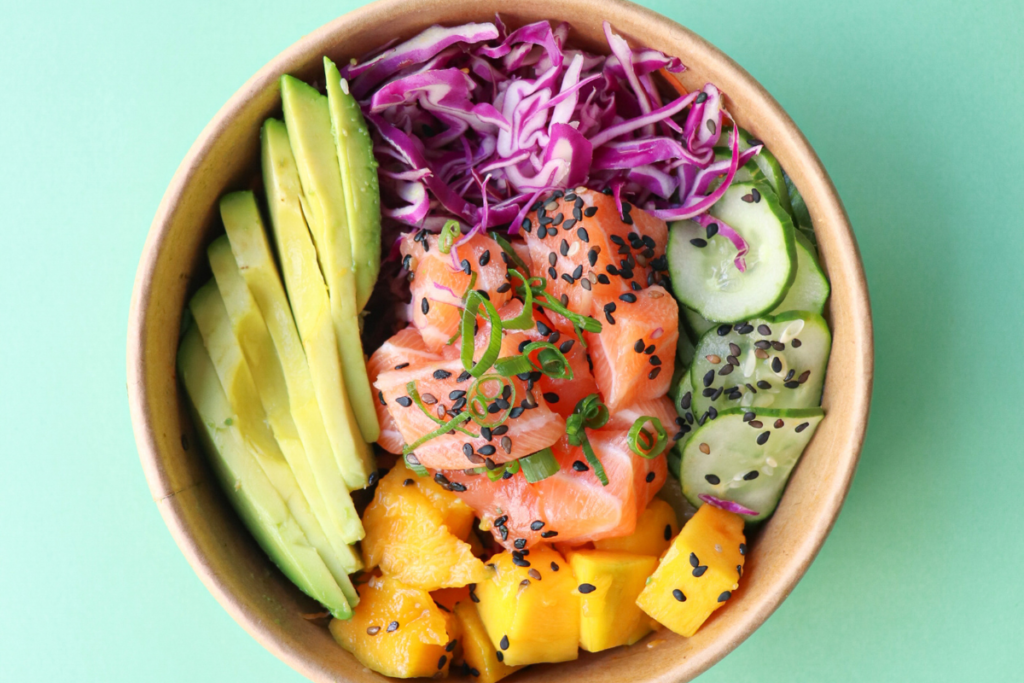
<point x="285" y="465"/>
<point x="304" y="442"/>
<point x="309" y="301"/>
<point x="308" y="123"/>
<point x="359" y="178"/>
<point x="247" y="486"/>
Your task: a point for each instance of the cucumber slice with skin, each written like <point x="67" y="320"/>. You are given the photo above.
<point x="776" y="362"/>
<point x="746" y="456"/>
<point x="765" y="161"/>
<point x="683" y="402"/>
<point x="696" y="324"/>
<point x="704" y="275"/>
<point x="810" y="288"/>
<point x="748" y="172"/>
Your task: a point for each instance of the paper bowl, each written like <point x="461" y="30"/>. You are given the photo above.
<point x="173" y="263"/>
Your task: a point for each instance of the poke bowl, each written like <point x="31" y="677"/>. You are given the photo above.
<point x="213" y="529"/>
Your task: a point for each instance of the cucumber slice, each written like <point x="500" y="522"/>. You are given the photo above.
<point x="765" y="161"/>
<point x="748" y="172"/>
<point x="683" y="400"/>
<point x="696" y="324"/>
<point x="776" y="362"/>
<point x="810" y="288"/>
<point x="746" y="456"/>
<point x="704" y="275"/>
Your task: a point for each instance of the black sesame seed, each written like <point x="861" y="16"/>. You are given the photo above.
<point x="698" y="242"/>
<point x="778" y="346"/>
<point x="628" y="298"/>
<point x="668" y="532"/>
<point x="589" y="211"/>
<point x="796" y="343"/>
<point x="542" y="232"/>
<point x="776" y="364"/>
<point x="762" y="438"/>
<point x="801" y="427"/>
<point x="707" y="392"/>
<point x="408" y="482"/>
<point x="789" y="375"/>
<point x="755" y="194"/>
<point x="487" y="450"/>
<point x="441" y="662"/>
<point x="553" y="273"/>
<point x="724" y="330"/>
<point x="699" y="571"/>
<point x="764" y="329"/>
<point x="537" y="525"/>
<point x="726" y="369"/>
<point x="500" y="655"/>
<point x="380" y="395"/>
<point x="520" y="561"/>
<point x="709" y="377"/>
<point x="392" y="627"/>
<point x="639" y="346"/>
<point x="612" y="270"/>
<point x="519" y="543"/>
<point x="566" y="346"/>
<point x="762" y="344"/>
<point x="603" y="279"/>
<point x="654" y="360"/>
<point x="712" y="479"/>
<point x="748" y="416"/>
<point x="756" y="424"/>
<point x="404" y="401"/>
<point x="653" y="374"/>
<point x="627" y="219"/>
<point x="712" y="413"/>
<point x="464" y="375"/>
<point x="550" y="397"/>
<point x="743" y="548"/>
<point x="609" y="318"/>
<point x="580" y="466"/>
<point x="456" y="394"/>
<point x="761" y="384"/>
<point x="751" y="475"/>
<point x="548" y="534"/>
<point x="586" y="588"/>
<point x="650" y="477"/>
<point x="515" y="412"/>
<point x="791" y="385"/>
<point x="568" y="278"/>
<point x="685" y="401"/>
<point x="678" y="595"/>
<point x="504" y="643"/>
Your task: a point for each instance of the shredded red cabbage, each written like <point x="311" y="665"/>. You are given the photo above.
<point x="727" y="505"/>
<point x="475" y="123"/>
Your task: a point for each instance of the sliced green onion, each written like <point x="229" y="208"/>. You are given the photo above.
<point x="642" y="443"/>
<point x="591" y="413"/>
<point x="598" y="468"/>
<point x="507" y="248"/>
<point x="513" y="365"/>
<point x="414" y="394"/>
<point x="551" y="361"/>
<point x="478" y="400"/>
<point x="538" y="285"/>
<point x="472" y="283"/>
<point x="539" y="465"/>
<point x="413" y="464"/>
<point x="449" y="233"/>
<point x="524" y="320"/>
<point x="450" y="425"/>
<point x="473" y="303"/>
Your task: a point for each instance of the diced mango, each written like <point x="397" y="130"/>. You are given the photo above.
<point x="478" y="652"/>
<point x="530" y="607"/>
<point x="398" y="631"/>
<point x="655" y="529"/>
<point x="698" y="573"/>
<point x="406" y="535"/>
<point x="609" y="584"/>
<point x="449" y="597"/>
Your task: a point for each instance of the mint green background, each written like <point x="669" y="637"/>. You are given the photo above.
<point x="915" y="109"/>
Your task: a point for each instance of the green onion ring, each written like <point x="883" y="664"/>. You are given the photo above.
<point x="473" y="303"/>
<point x="649" y="447"/>
<point x="448" y="426"/>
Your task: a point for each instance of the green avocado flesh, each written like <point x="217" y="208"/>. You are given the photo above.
<point x="310" y="304"/>
<point x="746" y="455"/>
<point x="308" y="123"/>
<point x="359" y="178"/>
<point x="247" y="485"/>
<point x="300" y="433"/>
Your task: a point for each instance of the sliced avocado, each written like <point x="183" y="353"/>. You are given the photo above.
<point x="310" y="305"/>
<point x="285" y="465"/>
<point x="247" y="486"/>
<point x="313" y="464"/>
<point x="359" y="177"/>
<point x="308" y="121"/>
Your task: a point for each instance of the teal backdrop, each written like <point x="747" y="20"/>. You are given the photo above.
<point x="914" y="107"/>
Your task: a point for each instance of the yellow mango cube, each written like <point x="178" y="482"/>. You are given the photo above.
<point x="609" y="584"/>
<point x="655" y="529"/>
